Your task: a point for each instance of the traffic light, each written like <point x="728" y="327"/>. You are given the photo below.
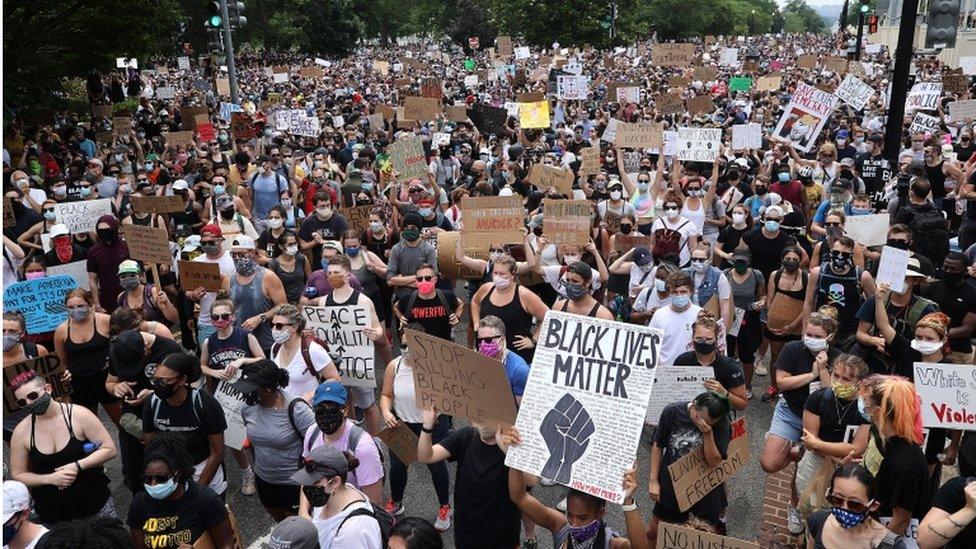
<point x="873" y="24"/>
<point x="234" y="14"/>
<point x="214" y="18"/>
<point x="942" y="19"/>
<point x="215" y="40"/>
<point x="865" y="7"/>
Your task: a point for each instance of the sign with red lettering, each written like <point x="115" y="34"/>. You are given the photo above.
<point x="948" y="393"/>
<point x="493" y="219"/>
<point x="407" y="156"/>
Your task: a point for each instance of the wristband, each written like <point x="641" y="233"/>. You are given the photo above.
<point x="628" y="508"/>
<point x="426" y="430"/>
<point x="78" y="466"/>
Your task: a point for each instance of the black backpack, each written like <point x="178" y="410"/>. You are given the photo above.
<point x="379" y="514"/>
<point x="930" y="234"/>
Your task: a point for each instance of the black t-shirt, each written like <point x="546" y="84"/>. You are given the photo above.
<point x="903" y="479"/>
<point x="484" y="515"/>
<point x="142" y="373"/>
<point x="766" y="252"/>
<point x="796" y="359"/>
<point x="727" y="372"/>
<point x="835" y="414"/>
<point x="196" y="418"/>
<point x="951" y="498"/>
<point x="331" y="229"/>
<point x="730" y="237"/>
<point x="267" y="243"/>
<point x="677" y="436"/>
<point x="431" y="314"/>
<point x="815" y="524"/>
<point x="168" y="523"/>
<point x="956" y="303"/>
<point x="873" y="170"/>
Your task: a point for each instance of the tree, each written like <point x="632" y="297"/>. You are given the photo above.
<point x="316" y="27"/>
<point x="799" y="17"/>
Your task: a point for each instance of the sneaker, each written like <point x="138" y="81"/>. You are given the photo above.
<point x="394" y="508"/>
<point x="748" y="393"/>
<point x="547" y="482"/>
<point x="561" y="505"/>
<point x="761" y="369"/>
<point x="770" y="394"/>
<point x="793" y="522"/>
<point x="443" y="521"/>
<point x="530" y="543"/>
<point x="247" y="482"/>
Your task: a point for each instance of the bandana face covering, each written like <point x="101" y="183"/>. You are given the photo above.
<point x="848" y="519"/>
<point x="62" y="247"/>
<point x="584" y="533"/>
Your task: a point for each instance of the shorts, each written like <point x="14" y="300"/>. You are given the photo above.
<point x="362" y="397"/>
<point x="277" y="496"/>
<point x="90" y="391"/>
<point x="203" y="332"/>
<point x="785" y="423"/>
<point x="673" y="516"/>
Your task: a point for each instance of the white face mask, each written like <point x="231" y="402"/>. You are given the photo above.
<point x="291" y="250"/>
<point x="672" y="214"/>
<point x="615" y="195"/>
<point x="567" y="259"/>
<point x="660" y="285"/>
<point x="926" y="347"/>
<point x="494" y="256"/>
<point x="738" y="218"/>
<point x="275" y="222"/>
<point x="815" y="344"/>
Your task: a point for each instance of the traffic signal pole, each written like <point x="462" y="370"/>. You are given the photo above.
<point x="899" y="87"/>
<point x="229" y="48"/>
<point x="860" y="35"/>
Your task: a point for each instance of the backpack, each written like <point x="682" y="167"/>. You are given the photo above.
<point x="379" y="514"/>
<point x="306" y="342"/>
<point x="278" y="180"/>
<point x="408" y="316"/>
<point x="930" y="234"/>
<point x="155" y="402"/>
<point x="667" y="242"/>
<point x="291" y="419"/>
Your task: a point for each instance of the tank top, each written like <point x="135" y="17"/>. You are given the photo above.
<point x="251" y="301"/>
<point x="367" y="280"/>
<point x="404" y="393"/>
<point x="294" y="281"/>
<point x="800" y="294"/>
<point x="330" y="300"/>
<point x="937" y="178"/>
<point x="517" y="321"/>
<point x="144" y="222"/>
<point x="223" y="351"/>
<point x="591" y="314"/>
<point x="842" y="292"/>
<point x="87" y="494"/>
<point x="88" y="359"/>
<point x="743" y="293"/>
<point x="149" y="311"/>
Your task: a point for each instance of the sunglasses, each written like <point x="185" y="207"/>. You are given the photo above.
<point x="414" y="191"/>
<point x="671" y="208"/>
<point x="225" y="316"/>
<point x="48" y="210"/>
<point x="425" y="278"/>
<point x="853" y="506"/>
<point x="153" y="480"/>
<point x="31" y="397"/>
<point x="279" y="325"/>
<point x="494" y="250"/>
<point x="488" y="339"/>
<point x="832" y="224"/>
<point x="311" y="466"/>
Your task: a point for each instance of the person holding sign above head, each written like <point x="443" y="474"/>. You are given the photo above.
<point x="683" y="428"/>
<point x="153" y="304"/>
<point x="673" y="236"/>
<point x="728" y="380"/>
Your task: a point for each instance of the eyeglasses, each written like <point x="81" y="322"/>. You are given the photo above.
<point x="496" y="250"/>
<point x="31" y="397"/>
<point x="852" y="505"/>
<point x="142" y="180"/>
<point x="425" y="278"/>
<point x="153" y="480"/>
<point x="225" y="316"/>
<point x="128" y="275"/>
<point x="280" y="325"/>
<point x="488" y="339"/>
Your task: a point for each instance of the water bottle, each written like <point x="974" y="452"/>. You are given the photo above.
<point x="90" y="447"/>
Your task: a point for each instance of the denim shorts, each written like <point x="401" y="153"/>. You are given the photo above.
<point x="785" y="423"/>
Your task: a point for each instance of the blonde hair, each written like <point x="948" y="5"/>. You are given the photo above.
<point x="826" y="318"/>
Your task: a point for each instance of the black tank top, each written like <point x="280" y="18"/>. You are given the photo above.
<point x="87" y="494"/>
<point x="88" y="359"/>
<point x="591" y="314"/>
<point x="937" y="178"/>
<point x="842" y="292"/>
<point x="800" y="294"/>
<point x="331" y="302"/>
<point x="517" y="321"/>
<point x="144" y="222"/>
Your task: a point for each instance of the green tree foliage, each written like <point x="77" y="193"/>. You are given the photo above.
<point x="799" y="17"/>
<point x="854" y="9"/>
<point x="316" y="27"/>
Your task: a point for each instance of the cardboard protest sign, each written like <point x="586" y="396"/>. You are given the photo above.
<point x="401" y="441"/>
<point x="567" y="221"/>
<point x="729" y="57"/>
<point x="76" y="270"/>
<point x="544" y="177"/>
<point x="447" y="263"/>
<point x="693" y="479"/>
<point x="746" y="136"/>
<point x="670" y="104"/>
<point x="357" y="216"/>
<point x="892" y="268"/>
<point x="232" y="401"/>
<point x="836" y="64"/>
<point x="341" y="329"/>
<point x="947" y="393"/>
<point x="242" y="126"/>
<point x="869" y="230"/>
<point x="705" y="73"/>
<point x="157" y="204"/>
<point x="961" y="110"/>
<point x="805" y="116"/>
<point x="421" y="109"/>
<point x="432" y="88"/>
<point x="924" y="97"/>
<point x="534" y="115"/>
<point x="121" y="125"/>
<point x="699" y="144"/>
<point x="81" y="216"/>
<point x="639" y="135"/>
<point x="40" y="300"/>
<point x="459" y="381"/>
<point x="493" y="219"/>
<point x="610" y="132"/>
<point x="672" y="55"/>
<point x="572" y="87"/>
<point x="457" y="113"/>
<point x="924" y="123"/>
<point x="955" y="83"/>
<point x="407" y="156"/>
<point x="311" y="72"/>
<point x="504" y="44"/>
<point x="165" y="92"/>
<point x="48" y="367"/>
<point x="700" y="104"/>
<point x="676" y="384"/>
<point x="740" y="83"/>
<point x="178" y="139"/>
<point x="674" y="82"/>
<point x="769" y="83"/>
<point x="854" y="92"/>
<point x="806" y="61"/>
<point x="583" y="408"/>
<point x="196" y="274"/>
<point x="188" y="116"/>
<point x="382" y="67"/>
<point x="624" y="242"/>
<point x="149" y="244"/>
<point x="672" y="536"/>
<point x="589" y="161"/>
<point x="223" y="87"/>
<point x="488" y="119"/>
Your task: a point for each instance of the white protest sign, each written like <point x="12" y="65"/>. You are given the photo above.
<point x="729" y="57"/>
<point x="924" y="97"/>
<point x="471" y="80"/>
<point x="740" y="315"/>
<point x="670" y="144"/>
<point x="512" y="107"/>
<point x="892" y="268"/>
<point x="699" y="144"/>
<point x="872" y="49"/>
<point x="584" y="403"/>
<point x="923" y="123"/>
<point x="854" y="92"/>
<point x="522" y="53"/>
<point x="961" y="110"/>
<point x="232" y="401"/>
<point x="280" y="77"/>
<point x="628" y="94"/>
<point x="968" y="65"/>
<point x="610" y="132"/>
<point x="81" y="216"/>
<point x="676" y="384"/>
<point x="78" y="270"/>
<point x="805" y="116"/>
<point x="746" y="136"/>
<point x="183" y="63"/>
<point x="572" y="87"/>
<point x="948" y="393"/>
<point x="440" y="139"/>
<point x="869" y="230"/>
<point x="297" y="122"/>
<point x="322" y="62"/>
<point x="341" y="329"/>
<point x="165" y="92"/>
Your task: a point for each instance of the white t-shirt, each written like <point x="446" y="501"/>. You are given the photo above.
<point x="677" y="331"/>
<point x="227" y="268"/>
<point x="553" y="274"/>
<point x="38" y="195"/>
<point x="361" y="532"/>
<point x="300" y="381"/>
<point x="640" y="277"/>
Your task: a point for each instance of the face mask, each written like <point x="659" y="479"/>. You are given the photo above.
<point x="680" y="301"/>
<point x="848" y="519"/>
<point x="227" y="214"/>
<point x="843" y="391"/>
<point x="926" y="347"/>
<point x="791" y="266"/>
<point x="223" y="324"/>
<point x="34" y="275"/>
<point x="208" y="248"/>
<point x="375" y="226"/>
<point x="490" y="349"/>
<point x="575" y="291"/>
<point x="280" y="336"/>
<point x="783" y="177"/>
<point x="840" y="260"/>
<point x="39" y="406"/>
<point x="129" y="283"/>
<point x="583" y="533"/>
<point x="615" y="195"/>
<point x="336" y="280"/>
<point x="771" y="226"/>
<point x="700" y="266"/>
<point x="329" y="419"/>
<point x="738" y="218"/>
<point x="570" y="259"/>
<point x="900" y="244"/>
<point x="85" y="191"/>
<point x="162" y="490"/>
<point x="672" y="214"/>
<point x="411" y="235"/>
<point x="696" y="193"/>
<point x="426" y="286"/>
<point x="107" y="236"/>
<point x="860" y="211"/>
<point x="815" y="344"/>
<point x="219" y="189"/>
<point x="316" y="495"/>
<point x="501" y="282"/>
<point x="740" y="267"/>
<point x="537" y="231"/>
<point x="367" y="187"/>
<point x="704" y="347"/>
<point x="9" y="340"/>
<point x="425" y="212"/>
<point x="324" y="213"/>
<point x="660" y="285"/>
<point x="761" y="191"/>
<point x="126" y="189"/>
<point x="50" y="216"/>
<point x="245" y="266"/>
<point x="642" y="187"/>
<point x="862" y="408"/>
<point x="164" y="390"/>
<point x="60" y="192"/>
<point x="10" y="532"/>
<point x="78" y="314"/>
<point x="626" y="229"/>
<point x="275" y="222"/>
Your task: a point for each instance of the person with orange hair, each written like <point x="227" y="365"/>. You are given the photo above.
<point x="894" y="452"/>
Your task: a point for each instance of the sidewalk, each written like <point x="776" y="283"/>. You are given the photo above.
<point x="776" y="499"/>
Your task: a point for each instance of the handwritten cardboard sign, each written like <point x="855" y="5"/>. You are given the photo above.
<point x="639" y="135"/>
<point x="869" y="230"/>
<point x="447" y="263"/>
<point x="670" y="104"/>
<point x="947" y="393"/>
<point x="196" y="274"/>
<point x="672" y="536"/>
<point x="157" y="204"/>
<point x="432" y="88"/>
<point x="457" y="113"/>
<point x="589" y="161"/>
<point x="401" y="441"/>
<point x="675" y="384"/>
<point x="149" y="244"/>
<point x="624" y="242"/>
<point x="40" y="300"/>
<point x="242" y="126"/>
<point x="567" y="221"/>
<point x="692" y="477"/>
<point x="700" y="104"/>
<point x="341" y="329"/>
<point x="48" y="367"/>
<point x="494" y="219"/>
<point x="459" y="381"/>
<point x="81" y="216"/>
<point x="923" y="123"/>
<point x="421" y="109"/>
<point x="769" y="83"/>
<point x="672" y="55"/>
<point x="854" y="92"/>
<point x="544" y="177"/>
<point x="407" y="156"/>
<point x="924" y="97"/>
<point x="705" y="73"/>
<point x="357" y="216"/>
<point x="956" y="83"/>
<point x="806" y="61"/>
<point x="178" y="139"/>
<point x="959" y="111"/>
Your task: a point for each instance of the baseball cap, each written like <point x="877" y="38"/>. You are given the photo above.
<point x="16" y="498"/>
<point x="324" y="461"/>
<point x="191" y="243"/>
<point x="914" y="267"/>
<point x="180" y="185"/>
<point x="97" y="162"/>
<point x="847" y="162"/>
<point x="126" y="355"/>
<point x="641" y="256"/>
<point x="293" y="533"/>
<point x="330" y="391"/>
<point x="741" y="253"/>
<point x="842" y="183"/>
<point x="59" y="229"/>
<point x="536" y="221"/>
<point x="213" y="229"/>
<point x="129" y="266"/>
<point x="225" y="202"/>
<point x="775" y="211"/>
<point x="242" y="242"/>
<point x="413" y="218"/>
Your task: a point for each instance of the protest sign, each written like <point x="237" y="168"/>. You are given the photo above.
<point x="101" y="111"/>
<point x="769" y="83"/>
<point x="737" y="319"/>
<point x="583" y="408"/>
<point x="447" y="263"/>
<point x="676" y="384"/>
<point x="955" y="83"/>
<point x="624" y="242"/>
<point x="407" y="156"/>
<point x="947" y="392"/>
<point x="179" y="139"/>
<point x="493" y="219"/>
<point x="183" y="63"/>
<point x="805" y="116"/>
<point x="746" y="136"/>
<point x="750" y="66"/>
<point x="923" y="123"/>
<point x="544" y="177"/>
<point x="196" y="274"/>
<point x="48" y="367"/>
<point x="149" y="244"/>
<point x="504" y="44"/>
<point x="459" y="381"/>
<point x="401" y="441"/>
<point x="382" y="67"/>
<point x="806" y="61"/>
<point x="188" y="115"/>
<point x="157" y="204"/>
<point x="670" y="104"/>
<point x="673" y="536"/>
<point x="488" y="119"/>
<point x="672" y="55"/>
<point x="376" y="121"/>
<point x="534" y="115"/>
<point x="121" y="125"/>
<point x="639" y="135"/>
<point x="357" y="216"/>
<point x="242" y="126"/>
<point x="421" y="109"/>
<point x="232" y="401"/>
<point x="706" y="73"/>
<point x="924" y="97"/>
<point x="298" y="122"/>
<point x="341" y="329"/>
<point x="869" y="230"/>
<point x="700" y="104"/>
<point x="206" y="132"/>
<point x="854" y="92"/>
<point x="835" y="63"/>
<point x="223" y="87"/>
<point x="610" y="132"/>
<point x="589" y="161"/>
<point x="670" y="145"/>
<point x="567" y="221"/>
<point x="675" y="82"/>
<point x="740" y="83"/>
<point x="522" y="53"/>
<point x="432" y="88"/>
<point x="227" y="109"/>
<point x="165" y="92"/>
<point x="961" y="110"/>
<point x="693" y="479"/>
<point x="729" y="57"/>
<point x="311" y="72"/>
<point x="628" y="94"/>
<point x="471" y="80"/>
<point x="40" y="300"/>
<point x="572" y="87"/>
<point x="457" y="113"/>
<point x="699" y="144"/>
<point x="892" y="268"/>
<point x="81" y="216"/>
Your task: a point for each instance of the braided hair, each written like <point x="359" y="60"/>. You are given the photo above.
<point x="91" y="533"/>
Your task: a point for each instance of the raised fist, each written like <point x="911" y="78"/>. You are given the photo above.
<point x="566" y="429"/>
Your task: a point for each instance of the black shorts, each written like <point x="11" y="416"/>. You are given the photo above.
<point x="90" y="391"/>
<point x="277" y="496"/>
<point x="674" y="516"/>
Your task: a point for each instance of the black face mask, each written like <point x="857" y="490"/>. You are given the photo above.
<point x="840" y="260"/>
<point x="791" y="266"/>
<point x="164" y="390"/>
<point x="900" y="244"/>
<point x="107" y="236"/>
<point x="704" y="347"/>
<point x="227" y="214"/>
<point x="761" y="191"/>
<point x="625" y="229"/>
<point x="316" y="495"/>
<point x="329" y="419"/>
<point x="537" y="231"/>
<point x="952" y="279"/>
